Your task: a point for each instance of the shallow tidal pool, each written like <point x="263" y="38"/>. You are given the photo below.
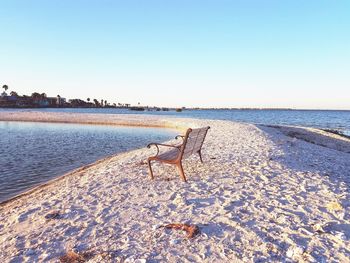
<point x="32" y="153"/>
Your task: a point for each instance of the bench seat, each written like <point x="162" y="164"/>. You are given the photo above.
<point x="192" y="142"/>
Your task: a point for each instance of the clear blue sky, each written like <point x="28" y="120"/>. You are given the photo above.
<point x="180" y="53"/>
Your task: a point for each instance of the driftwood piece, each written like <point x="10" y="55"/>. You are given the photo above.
<point x="53" y="215"/>
<point x="72" y="257"/>
<point x="191" y="230"/>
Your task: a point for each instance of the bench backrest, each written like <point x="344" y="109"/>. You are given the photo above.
<point x="193" y="141"/>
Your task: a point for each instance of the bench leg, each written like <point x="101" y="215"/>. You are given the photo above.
<point x="150" y="169"/>
<point x="200" y="156"/>
<point x="181" y="170"/>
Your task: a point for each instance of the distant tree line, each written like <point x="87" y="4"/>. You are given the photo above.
<point x="37" y="99"/>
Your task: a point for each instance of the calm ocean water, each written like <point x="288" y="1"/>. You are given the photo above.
<point x="329" y="119"/>
<point x="33" y="153"/>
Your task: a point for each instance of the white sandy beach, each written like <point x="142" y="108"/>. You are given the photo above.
<point x="263" y="194"/>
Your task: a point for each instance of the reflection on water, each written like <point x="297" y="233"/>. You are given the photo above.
<point x="33" y="153"/>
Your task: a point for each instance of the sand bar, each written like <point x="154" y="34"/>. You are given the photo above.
<point x="261" y="195"/>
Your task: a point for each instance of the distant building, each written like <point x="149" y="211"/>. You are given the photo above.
<point x="60" y="101"/>
<point x="7" y="101"/>
<point x="4" y="102"/>
<point x="26" y="101"/>
<point x="42" y="102"/>
<point x="49" y="102"/>
<point x="55" y="101"/>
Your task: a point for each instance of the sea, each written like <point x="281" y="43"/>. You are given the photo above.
<point x="34" y="153"/>
<point x="338" y="120"/>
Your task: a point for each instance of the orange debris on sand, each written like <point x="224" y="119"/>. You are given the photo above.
<point x="191" y="230"/>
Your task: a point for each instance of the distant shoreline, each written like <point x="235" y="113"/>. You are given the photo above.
<point x="184" y="109"/>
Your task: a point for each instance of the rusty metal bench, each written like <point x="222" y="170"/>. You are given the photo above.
<point x="192" y="142"/>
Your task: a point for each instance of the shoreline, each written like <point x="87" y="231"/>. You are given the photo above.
<point x="299" y="132"/>
<point x="78" y="170"/>
<point x="253" y="178"/>
<point x="131" y="120"/>
<point x="87" y="166"/>
<point x="58" y="178"/>
<point x="172" y="108"/>
<point x="317" y="136"/>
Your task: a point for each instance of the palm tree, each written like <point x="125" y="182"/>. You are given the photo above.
<point x="58" y="101"/>
<point x="36" y="95"/>
<point x="88" y="99"/>
<point x="5" y="87"/>
<point x="13" y="94"/>
<point x="97" y="104"/>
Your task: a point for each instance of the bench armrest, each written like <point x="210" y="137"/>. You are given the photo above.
<point x="180" y="136"/>
<point x="162" y="144"/>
